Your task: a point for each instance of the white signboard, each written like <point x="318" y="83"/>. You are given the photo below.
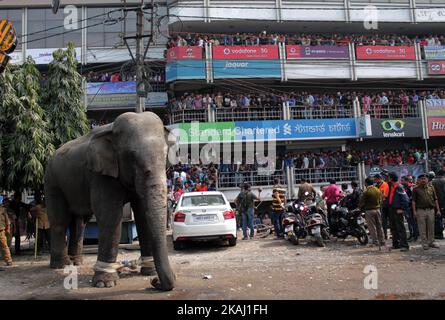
<point x="430" y="15"/>
<point x="45" y="56"/>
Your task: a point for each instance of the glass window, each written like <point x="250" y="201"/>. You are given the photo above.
<point x="15" y="16"/>
<point x="47" y="30"/>
<point x="205" y="200"/>
<point x="102" y="32"/>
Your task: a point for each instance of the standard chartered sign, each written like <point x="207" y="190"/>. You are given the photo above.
<point x="198" y="132"/>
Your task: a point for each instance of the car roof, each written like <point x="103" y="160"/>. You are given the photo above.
<point x="202" y="193"/>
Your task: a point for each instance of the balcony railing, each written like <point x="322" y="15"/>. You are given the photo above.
<point x="189" y="115"/>
<point x="255" y="178"/>
<point x="324" y="175"/>
<point x="248" y="114"/>
<point x="321" y="112"/>
<point x="391" y="111"/>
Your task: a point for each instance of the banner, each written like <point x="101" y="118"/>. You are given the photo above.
<point x="184" y="53"/>
<point x="104" y="95"/>
<point x="317" y="52"/>
<point x="436" y="67"/>
<point x="45" y="56"/>
<point x="430" y="15"/>
<point x="246" y="69"/>
<point x="436" y="126"/>
<point x="269" y="52"/>
<point x="434" y="52"/>
<point x="435" y="107"/>
<point x="385" y="53"/>
<point x="396" y="128"/>
<point x="184" y="70"/>
<point x="401" y="170"/>
<point x="280" y="130"/>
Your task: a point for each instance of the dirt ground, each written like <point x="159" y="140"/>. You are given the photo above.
<point x="262" y="268"/>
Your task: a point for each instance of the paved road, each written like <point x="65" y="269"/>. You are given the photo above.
<point x="254" y="269"/>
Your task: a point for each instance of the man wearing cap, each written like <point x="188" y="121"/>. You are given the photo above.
<point x="439" y="187"/>
<point x="398" y="203"/>
<point x="424" y="204"/>
<point x="384" y="189"/>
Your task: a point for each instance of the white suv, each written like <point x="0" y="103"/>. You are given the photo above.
<point x="203" y="216"/>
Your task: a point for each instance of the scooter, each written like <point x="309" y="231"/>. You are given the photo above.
<point x="304" y="219"/>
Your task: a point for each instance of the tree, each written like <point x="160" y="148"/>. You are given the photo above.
<point x="26" y="139"/>
<point x="64" y="97"/>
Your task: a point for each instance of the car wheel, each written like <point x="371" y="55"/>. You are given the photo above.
<point x="178" y="245"/>
<point x="232" y="242"/>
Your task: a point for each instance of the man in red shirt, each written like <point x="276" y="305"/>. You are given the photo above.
<point x="201" y="186"/>
<point x="332" y="194"/>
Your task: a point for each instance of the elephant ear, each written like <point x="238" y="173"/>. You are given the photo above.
<point x="101" y="156"/>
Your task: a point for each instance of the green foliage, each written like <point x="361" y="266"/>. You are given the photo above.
<point x="26" y="142"/>
<point x="64" y="98"/>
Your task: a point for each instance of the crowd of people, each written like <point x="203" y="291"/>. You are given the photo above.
<point x="271" y="38"/>
<point x="155" y="77"/>
<point x="375" y="103"/>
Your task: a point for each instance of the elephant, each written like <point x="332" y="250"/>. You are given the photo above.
<point x="98" y="173"/>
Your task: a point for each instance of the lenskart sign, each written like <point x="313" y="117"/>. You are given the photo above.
<point x="396" y="128"/>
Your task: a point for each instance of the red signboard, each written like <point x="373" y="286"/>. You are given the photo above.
<point x="436" y="126"/>
<point x="266" y="52"/>
<point x="184" y="53"/>
<point x="385" y="53"/>
<point x="436" y="67"/>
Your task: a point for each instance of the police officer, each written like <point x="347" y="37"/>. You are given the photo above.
<point x="439" y="186"/>
<point x="424" y="204"/>
<point x="398" y="203"/>
<point x="4" y="229"/>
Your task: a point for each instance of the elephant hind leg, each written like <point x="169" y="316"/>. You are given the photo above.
<point x="75" y="246"/>
<point x="60" y="218"/>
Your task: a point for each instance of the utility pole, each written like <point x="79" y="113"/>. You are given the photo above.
<point x="140" y="103"/>
<point x="141" y="53"/>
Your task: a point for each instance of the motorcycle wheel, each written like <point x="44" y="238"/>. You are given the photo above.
<point x="325" y="234"/>
<point x="294" y="240"/>
<point x="319" y="241"/>
<point x="362" y="236"/>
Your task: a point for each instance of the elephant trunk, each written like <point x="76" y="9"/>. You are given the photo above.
<point x="155" y="202"/>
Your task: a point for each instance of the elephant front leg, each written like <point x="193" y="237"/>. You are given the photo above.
<point x="147" y="262"/>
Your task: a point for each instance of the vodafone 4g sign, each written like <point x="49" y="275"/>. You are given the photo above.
<point x="184" y="53"/>
<point x="436" y="67"/>
<point x="385" y="53"/>
<point x="265" y="52"/>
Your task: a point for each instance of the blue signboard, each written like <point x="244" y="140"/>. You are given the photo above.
<point x="434" y="52"/>
<point x="183" y="70"/>
<point x="246" y="69"/>
<point x="126" y="87"/>
<point x="268" y="130"/>
<point x="295" y="129"/>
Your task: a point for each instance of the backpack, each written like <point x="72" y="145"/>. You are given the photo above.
<point x="243" y="203"/>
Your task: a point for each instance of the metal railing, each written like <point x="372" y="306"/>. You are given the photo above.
<point x="390" y="111"/>
<point x="247" y="114"/>
<point x="188" y="115"/>
<point x="255" y="178"/>
<point x="321" y="112"/>
<point x="318" y="175"/>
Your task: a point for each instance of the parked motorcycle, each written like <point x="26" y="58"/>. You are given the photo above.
<point x="303" y="219"/>
<point x="344" y="223"/>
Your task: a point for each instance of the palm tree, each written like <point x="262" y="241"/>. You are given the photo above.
<point x="64" y="97"/>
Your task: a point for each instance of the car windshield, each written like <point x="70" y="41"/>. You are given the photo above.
<point x="203" y="200"/>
